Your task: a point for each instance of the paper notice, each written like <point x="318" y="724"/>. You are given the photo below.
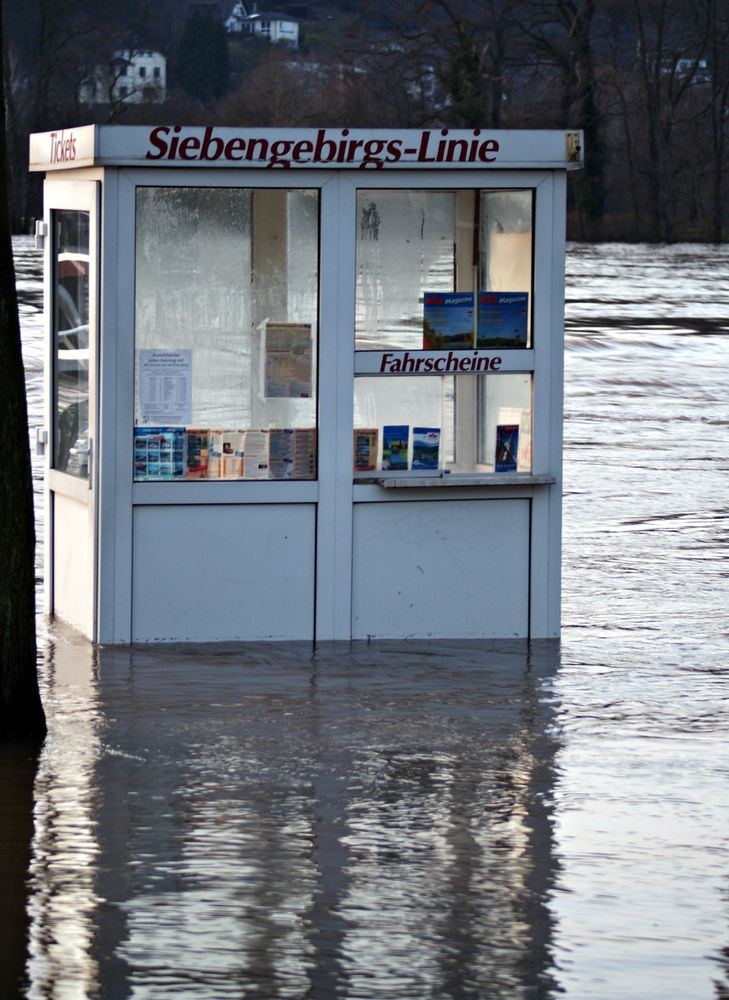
<point x="165" y="387"/>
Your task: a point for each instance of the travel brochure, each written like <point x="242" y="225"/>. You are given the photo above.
<point x="212" y="453"/>
<point x="510" y="452"/>
<point x="507" y="448"/>
<point x="450" y="321"/>
<point x="395" y="448"/>
<point x="366" y="440"/>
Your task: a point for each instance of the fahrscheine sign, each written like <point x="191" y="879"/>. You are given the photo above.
<point x="285" y="149"/>
<point x="468" y="362"/>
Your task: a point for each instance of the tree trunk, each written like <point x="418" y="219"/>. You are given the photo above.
<point x="21" y="711"/>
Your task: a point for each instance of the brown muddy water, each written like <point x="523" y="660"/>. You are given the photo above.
<point x="437" y="820"/>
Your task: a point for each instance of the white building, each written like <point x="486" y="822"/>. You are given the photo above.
<point x="132" y="77"/>
<point x="268" y="25"/>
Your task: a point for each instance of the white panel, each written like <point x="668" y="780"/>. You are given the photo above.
<point x="227" y="572"/>
<point x="73" y="594"/>
<point x="441" y="569"/>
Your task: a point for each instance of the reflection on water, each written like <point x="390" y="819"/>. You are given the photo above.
<point x="368" y="823"/>
<point x="65" y="847"/>
<point x="449" y="820"/>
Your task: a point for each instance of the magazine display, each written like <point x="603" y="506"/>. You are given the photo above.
<point x="287" y="360"/>
<point x="395" y="446"/>
<point x="502" y="319"/>
<point x="217" y="453"/>
<point x="448" y="322"/>
<point x="366" y="440"/>
<point x="426" y="447"/>
<point x="507" y="447"/>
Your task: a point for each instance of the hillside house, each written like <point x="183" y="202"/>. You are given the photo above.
<point x="132" y="76"/>
<point x="271" y="26"/>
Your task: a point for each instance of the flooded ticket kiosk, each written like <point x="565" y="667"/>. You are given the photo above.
<point x="304" y="384"/>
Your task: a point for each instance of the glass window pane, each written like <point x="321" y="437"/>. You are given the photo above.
<point x="416" y="247"/>
<point x="505" y="240"/>
<point x="71" y="335"/>
<point x="226" y="333"/>
<point x="504" y="423"/>
<point x="405" y="246"/>
<point x="454" y="424"/>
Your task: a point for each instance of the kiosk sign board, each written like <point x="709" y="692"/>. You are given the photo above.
<point x="340" y="149"/>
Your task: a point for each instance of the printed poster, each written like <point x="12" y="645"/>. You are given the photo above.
<point x="287" y="362"/>
<point x="165" y="386"/>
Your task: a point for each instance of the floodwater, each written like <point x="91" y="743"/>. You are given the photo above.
<point x="441" y="820"/>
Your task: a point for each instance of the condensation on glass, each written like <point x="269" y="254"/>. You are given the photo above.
<point x="226" y="333"/>
<point x="447" y="271"/>
<point x="71" y="339"/>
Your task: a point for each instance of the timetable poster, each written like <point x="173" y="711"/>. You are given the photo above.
<point x="165" y="387"/>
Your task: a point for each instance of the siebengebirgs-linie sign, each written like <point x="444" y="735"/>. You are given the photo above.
<point x="376" y="149"/>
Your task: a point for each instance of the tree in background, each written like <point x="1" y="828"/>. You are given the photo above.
<point x="21" y="711"/>
<point x="201" y="65"/>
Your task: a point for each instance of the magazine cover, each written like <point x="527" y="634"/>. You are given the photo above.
<point x="426" y="447"/>
<point x="159" y="452"/>
<point x="502" y="319"/>
<point x="447" y="321"/>
<point x="395" y="446"/>
<point x="507" y="447"/>
<point x="365" y="449"/>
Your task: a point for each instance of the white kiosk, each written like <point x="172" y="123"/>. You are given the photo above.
<point x="304" y="384"/>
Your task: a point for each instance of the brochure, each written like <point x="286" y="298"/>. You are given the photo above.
<point x="395" y="446"/>
<point x="502" y="319"/>
<point x="287" y="364"/>
<point x="304" y="453"/>
<point x="507" y="447"/>
<point x="225" y="458"/>
<point x="448" y="322"/>
<point x="280" y="453"/>
<point x="159" y="452"/>
<point x="426" y="447"/>
<point x="366" y="440"/>
<point x="255" y="455"/>
<point x="198" y="446"/>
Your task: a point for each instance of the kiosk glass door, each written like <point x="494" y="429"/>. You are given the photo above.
<point x="72" y="268"/>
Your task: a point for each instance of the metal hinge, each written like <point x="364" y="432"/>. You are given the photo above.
<point x="41" y="231"/>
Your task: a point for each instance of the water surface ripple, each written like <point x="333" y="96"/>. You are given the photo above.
<point x="438" y="820"/>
